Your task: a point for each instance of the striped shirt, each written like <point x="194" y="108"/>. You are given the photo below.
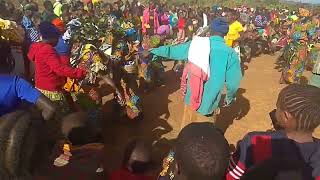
<point x="31" y="32"/>
<point x="282" y="154"/>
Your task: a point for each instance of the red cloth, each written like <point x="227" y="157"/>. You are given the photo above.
<point x="181" y="23"/>
<point x="65" y="59"/>
<point x="123" y="174"/>
<point x="50" y="71"/>
<point x="196" y="78"/>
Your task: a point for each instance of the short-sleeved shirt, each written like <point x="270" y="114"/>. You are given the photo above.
<point x="13" y="90"/>
<point x="234" y="32"/>
<point x="257" y="148"/>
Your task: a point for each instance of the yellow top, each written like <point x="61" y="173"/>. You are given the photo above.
<point x="234" y="33"/>
<point x="57" y="9"/>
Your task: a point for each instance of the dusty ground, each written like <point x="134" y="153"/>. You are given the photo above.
<point x="163" y="109"/>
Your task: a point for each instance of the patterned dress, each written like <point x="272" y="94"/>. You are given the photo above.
<point x="295" y="58"/>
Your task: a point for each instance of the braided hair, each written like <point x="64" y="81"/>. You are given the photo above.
<point x="303" y="103"/>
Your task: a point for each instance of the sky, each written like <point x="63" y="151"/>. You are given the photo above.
<point x="308" y="1"/>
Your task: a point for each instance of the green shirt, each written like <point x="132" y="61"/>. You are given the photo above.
<point x="224" y="70"/>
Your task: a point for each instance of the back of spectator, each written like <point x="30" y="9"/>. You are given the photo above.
<point x="201" y="152"/>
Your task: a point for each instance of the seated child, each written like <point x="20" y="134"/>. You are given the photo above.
<point x="136" y="162"/>
<point x="298" y="114"/>
<point x="201" y="152"/>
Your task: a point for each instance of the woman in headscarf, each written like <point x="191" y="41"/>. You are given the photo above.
<point x="296" y="57"/>
<point x="150" y="20"/>
<point x="50" y="71"/>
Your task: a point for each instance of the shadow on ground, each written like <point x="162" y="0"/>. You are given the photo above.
<point x="118" y="132"/>
<point x="237" y="111"/>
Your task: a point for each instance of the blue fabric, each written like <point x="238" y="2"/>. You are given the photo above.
<point x="13" y="90"/>
<point x="220" y="25"/>
<point x="63" y="47"/>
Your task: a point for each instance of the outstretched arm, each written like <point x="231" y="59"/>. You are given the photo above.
<point x="25" y="91"/>
<point x="178" y="52"/>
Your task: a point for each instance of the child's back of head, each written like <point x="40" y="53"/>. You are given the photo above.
<point x="202" y="152"/>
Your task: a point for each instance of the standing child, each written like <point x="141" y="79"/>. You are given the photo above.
<point x="181" y="27"/>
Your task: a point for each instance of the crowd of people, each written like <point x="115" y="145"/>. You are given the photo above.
<point x="79" y="50"/>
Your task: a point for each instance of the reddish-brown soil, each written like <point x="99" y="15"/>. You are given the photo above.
<point x="163" y="109"/>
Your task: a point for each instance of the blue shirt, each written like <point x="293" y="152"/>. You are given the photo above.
<point x="224" y="70"/>
<point x="13" y="90"/>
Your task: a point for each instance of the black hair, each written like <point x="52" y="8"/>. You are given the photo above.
<point x="7" y="62"/>
<point x="137" y="166"/>
<point x="65" y="7"/>
<point x="48" y="5"/>
<point x="202" y="152"/>
<point x="303" y="103"/>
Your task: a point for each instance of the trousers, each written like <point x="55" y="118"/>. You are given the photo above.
<point x="190" y="116"/>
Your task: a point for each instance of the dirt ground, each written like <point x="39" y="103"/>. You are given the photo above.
<point x="163" y="110"/>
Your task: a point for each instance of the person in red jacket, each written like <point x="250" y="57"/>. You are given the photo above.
<point x="50" y="71"/>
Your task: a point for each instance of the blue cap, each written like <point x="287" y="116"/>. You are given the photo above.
<point x="220" y="25"/>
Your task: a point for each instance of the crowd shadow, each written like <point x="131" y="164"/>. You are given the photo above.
<point x="237" y="111"/>
<point x="118" y="132"/>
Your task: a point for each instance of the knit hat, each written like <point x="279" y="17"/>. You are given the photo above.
<point x="58" y="23"/>
<point x="220" y="25"/>
<point x="48" y="30"/>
